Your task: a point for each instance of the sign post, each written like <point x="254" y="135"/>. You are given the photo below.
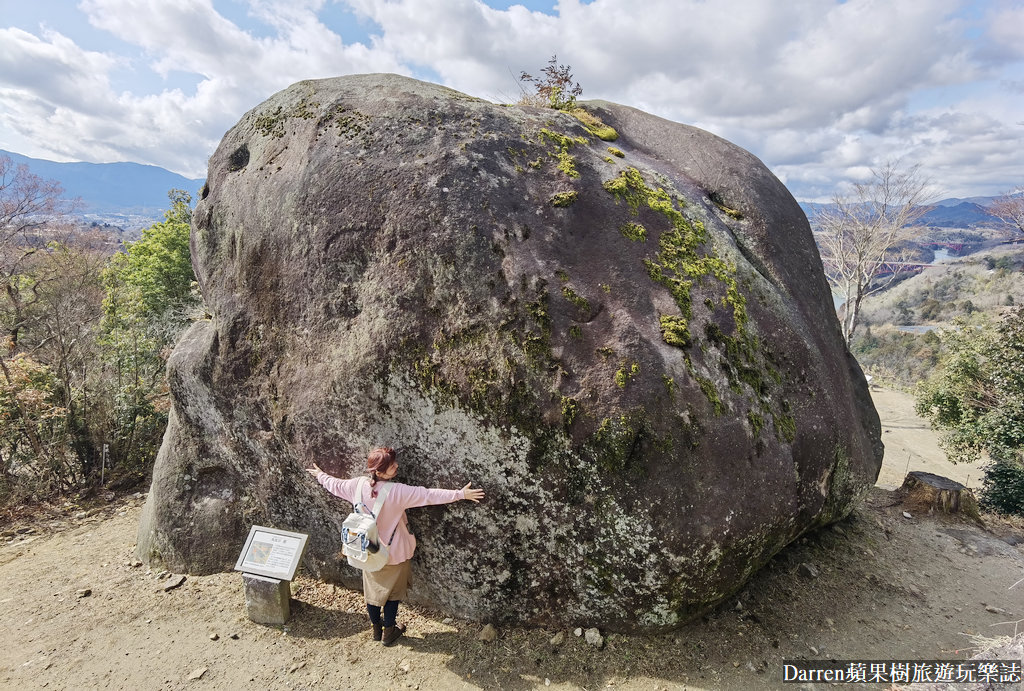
<point x="268" y="562"/>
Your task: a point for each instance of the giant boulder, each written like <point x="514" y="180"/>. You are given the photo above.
<point x="632" y="348"/>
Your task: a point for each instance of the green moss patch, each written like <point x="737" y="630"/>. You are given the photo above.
<point x="570" y="410"/>
<point x="617" y="441"/>
<point x="562" y="143"/>
<point x="575" y="298"/>
<point x="633" y="231"/>
<point x="593" y="124"/>
<point x="717" y="200"/>
<point x="756" y="422"/>
<point x="626" y="372"/>
<point x="785" y="426"/>
<point x="675" y="331"/>
<point x="564" y="199"/>
<point x="272" y="124"/>
<point x="709" y="390"/>
<point x="538" y="346"/>
<point x="349" y="123"/>
<point x="678" y="264"/>
<point x="616" y="152"/>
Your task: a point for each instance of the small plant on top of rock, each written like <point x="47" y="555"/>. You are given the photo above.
<point x="554" y="89"/>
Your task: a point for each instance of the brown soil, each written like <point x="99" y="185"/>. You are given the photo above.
<point x="887" y="587"/>
<point x="910" y="443"/>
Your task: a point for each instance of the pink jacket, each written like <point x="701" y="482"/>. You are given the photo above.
<point x="392" y="519"/>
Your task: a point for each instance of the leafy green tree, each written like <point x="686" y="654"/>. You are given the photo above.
<point x="152" y="281"/>
<point x="150" y="300"/>
<point x="977" y="398"/>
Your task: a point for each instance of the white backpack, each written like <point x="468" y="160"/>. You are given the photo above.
<point x="359" y="539"/>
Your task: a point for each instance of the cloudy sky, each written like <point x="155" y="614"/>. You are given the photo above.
<point x="820" y="90"/>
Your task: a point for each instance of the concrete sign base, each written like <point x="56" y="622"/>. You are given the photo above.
<point x="267" y="599"/>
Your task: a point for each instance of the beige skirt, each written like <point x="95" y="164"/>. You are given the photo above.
<point x="389" y="583"/>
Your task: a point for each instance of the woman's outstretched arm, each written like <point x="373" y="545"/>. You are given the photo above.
<point x="336" y="486"/>
<point x="411" y="497"/>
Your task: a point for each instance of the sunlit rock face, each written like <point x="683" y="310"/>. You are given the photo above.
<point x="629" y="344"/>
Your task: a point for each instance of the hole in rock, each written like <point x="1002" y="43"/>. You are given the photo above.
<point x="239" y="158"/>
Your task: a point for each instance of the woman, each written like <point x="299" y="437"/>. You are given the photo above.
<point x="384" y="589"/>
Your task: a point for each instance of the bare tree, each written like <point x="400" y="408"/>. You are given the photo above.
<point x="861" y="234"/>
<point x="1009" y="209"/>
<point x="28" y="205"/>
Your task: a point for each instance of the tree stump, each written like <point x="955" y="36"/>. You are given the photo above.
<point x="926" y="492"/>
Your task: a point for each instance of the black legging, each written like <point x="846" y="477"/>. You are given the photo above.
<point x="390" y="613"/>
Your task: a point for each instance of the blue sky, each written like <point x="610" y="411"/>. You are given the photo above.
<point x="820" y="91"/>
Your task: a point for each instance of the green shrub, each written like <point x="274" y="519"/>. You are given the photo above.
<point x="1003" y="487"/>
<point x="976" y="397"/>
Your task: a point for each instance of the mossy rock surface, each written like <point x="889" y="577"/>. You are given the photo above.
<point x="652" y="417"/>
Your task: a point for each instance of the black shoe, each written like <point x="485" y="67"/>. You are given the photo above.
<point x="392" y="634"/>
<point x="378" y="631"/>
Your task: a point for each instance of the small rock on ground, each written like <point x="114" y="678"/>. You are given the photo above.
<point x="558" y="639"/>
<point x="84" y="592"/>
<point x="808" y="570"/>
<point x="488" y="634"/>
<point x="175" y="582"/>
<point x="594" y="638"/>
<point x="197" y="674"/>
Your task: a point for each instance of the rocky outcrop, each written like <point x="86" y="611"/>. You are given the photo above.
<point x="631" y="347"/>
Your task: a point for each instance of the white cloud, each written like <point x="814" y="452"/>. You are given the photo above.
<point x="818" y="90"/>
<point x="53" y="65"/>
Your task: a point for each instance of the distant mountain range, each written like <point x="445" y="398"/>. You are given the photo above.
<point x="125" y="194"/>
<point x="947" y="213"/>
<point x="132" y="195"/>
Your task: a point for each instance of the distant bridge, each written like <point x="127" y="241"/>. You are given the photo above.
<point x="890" y="267"/>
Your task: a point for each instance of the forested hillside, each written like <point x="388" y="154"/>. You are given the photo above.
<point x="87" y="330"/>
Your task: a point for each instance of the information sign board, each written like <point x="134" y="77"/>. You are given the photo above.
<point x="271" y="552"/>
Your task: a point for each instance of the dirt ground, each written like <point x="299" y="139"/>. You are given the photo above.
<point x="910" y="444"/>
<point x="887" y="587"/>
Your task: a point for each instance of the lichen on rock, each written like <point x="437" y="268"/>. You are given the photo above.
<point x="652" y="390"/>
